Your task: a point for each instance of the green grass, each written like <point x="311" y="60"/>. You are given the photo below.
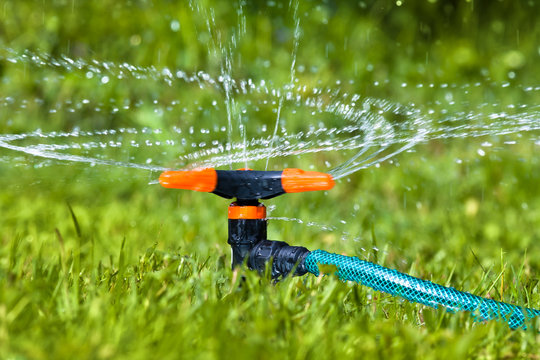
<point x="96" y="263"/>
<point x="136" y="281"/>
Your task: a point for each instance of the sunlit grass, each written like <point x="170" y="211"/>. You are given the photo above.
<point x="97" y="263"/>
<point x="147" y="274"/>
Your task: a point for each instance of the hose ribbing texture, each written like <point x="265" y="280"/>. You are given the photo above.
<point x="417" y="290"/>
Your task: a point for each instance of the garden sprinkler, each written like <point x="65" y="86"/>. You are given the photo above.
<point x="247" y="237"/>
<point x="247" y="216"/>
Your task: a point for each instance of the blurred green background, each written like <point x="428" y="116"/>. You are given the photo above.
<point x="96" y="263"/>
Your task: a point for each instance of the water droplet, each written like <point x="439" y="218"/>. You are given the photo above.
<point x="135" y="40"/>
<point x="175" y="25"/>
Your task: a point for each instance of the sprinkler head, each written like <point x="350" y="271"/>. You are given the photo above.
<point x="246" y="184"/>
<point x="247" y="217"/>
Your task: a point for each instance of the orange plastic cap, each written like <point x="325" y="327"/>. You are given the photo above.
<point x="247" y="212"/>
<point x="204" y="180"/>
<point x="296" y="180"/>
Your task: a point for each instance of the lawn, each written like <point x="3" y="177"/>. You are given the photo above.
<point x="98" y="261"/>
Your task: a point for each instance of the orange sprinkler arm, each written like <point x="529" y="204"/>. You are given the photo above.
<point x="247" y="184"/>
<point x="296" y="180"/>
<point x="204" y="180"/>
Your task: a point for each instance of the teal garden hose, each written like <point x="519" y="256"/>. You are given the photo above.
<point x="417" y="290"/>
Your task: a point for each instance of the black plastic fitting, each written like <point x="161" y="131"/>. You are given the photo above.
<point x="244" y="234"/>
<point x="249" y="245"/>
<point x="284" y="258"/>
<point x="248" y="185"/>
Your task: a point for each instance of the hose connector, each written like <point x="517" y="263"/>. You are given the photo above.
<point x="283" y="257"/>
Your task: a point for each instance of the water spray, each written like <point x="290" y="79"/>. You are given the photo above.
<point x="250" y="246"/>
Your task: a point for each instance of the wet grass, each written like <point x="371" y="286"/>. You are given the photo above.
<point x="146" y="274"/>
<point x="96" y="263"/>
